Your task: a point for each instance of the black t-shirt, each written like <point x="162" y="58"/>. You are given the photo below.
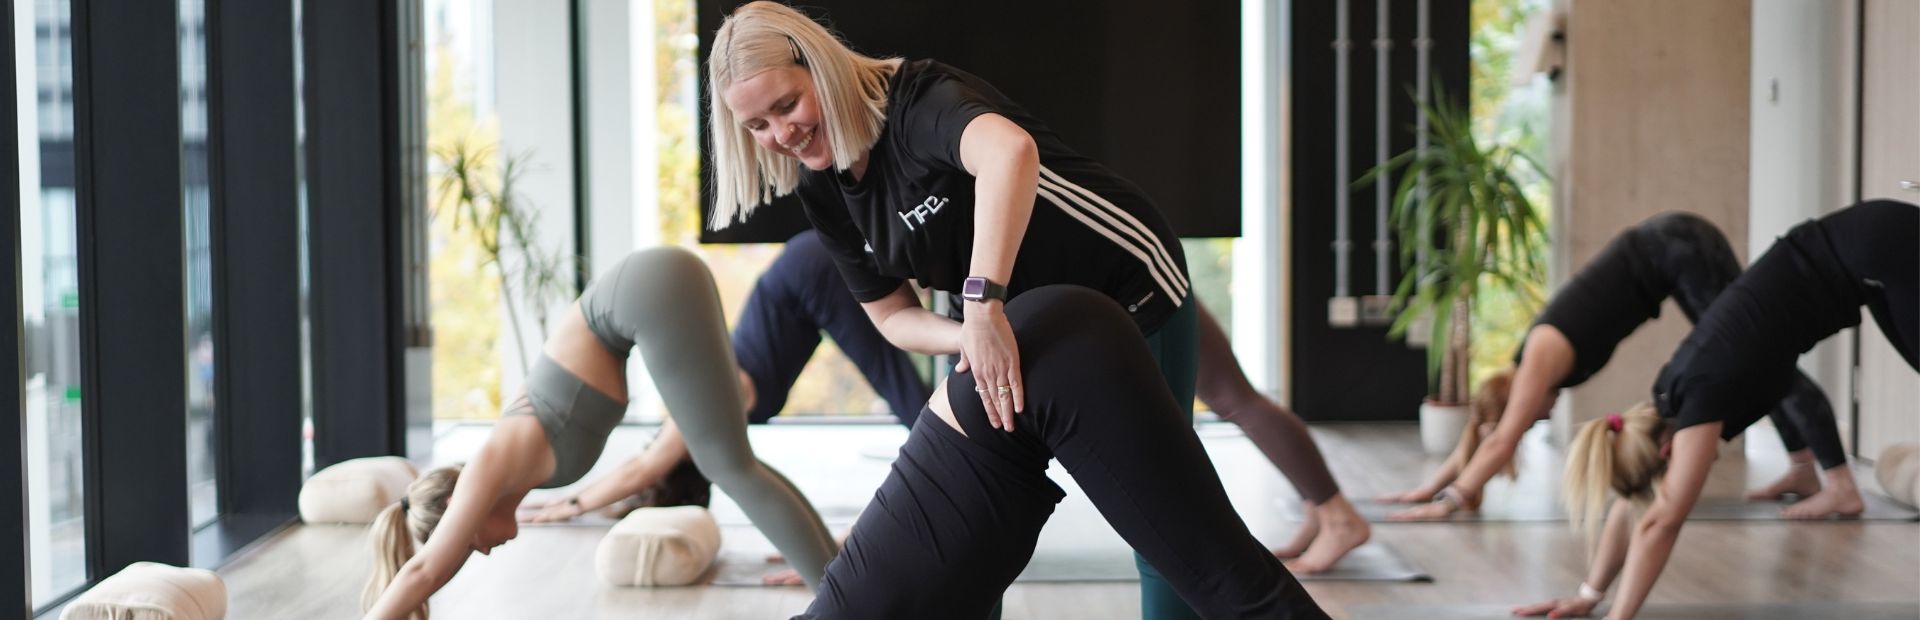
<point x="1620" y="289"/>
<point x="1739" y="360"/>
<point x="912" y="214"/>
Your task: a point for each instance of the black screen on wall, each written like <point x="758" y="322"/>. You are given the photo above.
<point x="1151" y="89"/>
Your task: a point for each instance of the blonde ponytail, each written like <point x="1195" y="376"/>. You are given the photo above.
<point x="399" y="528"/>
<point x="1617" y="455"/>
<point x="1489" y="403"/>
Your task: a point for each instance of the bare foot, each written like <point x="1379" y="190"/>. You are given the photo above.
<point x="1341" y="531"/>
<point x="1830" y="501"/>
<point x="788" y="577"/>
<point x="1801" y="480"/>
<point x="1301" y="537"/>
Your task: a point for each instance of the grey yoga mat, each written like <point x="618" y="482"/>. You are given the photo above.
<point x="1540" y="509"/>
<point x="742" y="562"/>
<point x="1879" y="508"/>
<point x="1799" y="610"/>
<point x="1511" y="509"/>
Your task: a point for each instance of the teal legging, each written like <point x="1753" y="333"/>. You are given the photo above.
<point x="1176" y="347"/>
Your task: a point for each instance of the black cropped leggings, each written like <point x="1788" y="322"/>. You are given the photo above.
<point x="958" y="517"/>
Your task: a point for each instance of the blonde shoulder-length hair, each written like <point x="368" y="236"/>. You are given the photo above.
<point x="851" y="89"/>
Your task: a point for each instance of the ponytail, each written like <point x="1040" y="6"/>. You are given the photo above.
<point x="1615" y="455"/>
<point x="400" y="527"/>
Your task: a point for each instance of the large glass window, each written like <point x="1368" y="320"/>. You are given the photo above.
<point x="50" y="299"/>
<point x="482" y="318"/>
<point x="202" y="488"/>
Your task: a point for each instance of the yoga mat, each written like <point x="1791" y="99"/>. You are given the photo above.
<point x="743" y="554"/>
<point x="1800" y="610"/>
<point x="1513" y="509"/>
<point x="1369" y="562"/>
<point x="1879" y="508"/>
<point x="1542" y="509"/>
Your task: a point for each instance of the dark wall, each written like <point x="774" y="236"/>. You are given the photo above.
<point x="1151" y="89"/>
<point x="1354" y="373"/>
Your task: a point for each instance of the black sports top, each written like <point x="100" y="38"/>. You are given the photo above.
<point x="912" y="214"/>
<point x="1739" y="360"/>
<point x="1619" y="290"/>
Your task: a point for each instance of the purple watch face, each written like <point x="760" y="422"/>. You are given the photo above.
<point x="973" y="288"/>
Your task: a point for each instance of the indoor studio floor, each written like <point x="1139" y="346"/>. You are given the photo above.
<point x="1745" y="567"/>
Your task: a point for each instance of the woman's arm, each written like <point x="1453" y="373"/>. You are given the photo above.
<point x="1005" y="164"/>
<point x="911" y="327"/>
<point x="1545" y="361"/>
<point x="1608" y="557"/>
<point x="668" y="449"/>
<point x="500" y="463"/>
<point x="1694" y="449"/>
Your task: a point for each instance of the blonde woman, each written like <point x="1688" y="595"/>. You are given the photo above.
<point x="913" y="169"/>
<point x="1737" y="363"/>
<point x="663" y="301"/>
<point x="1677" y="255"/>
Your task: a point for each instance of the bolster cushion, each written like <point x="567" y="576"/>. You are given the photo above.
<point x="1899" y="472"/>
<point x="659" y="547"/>
<point x="355" y="491"/>
<point x="149" y="591"/>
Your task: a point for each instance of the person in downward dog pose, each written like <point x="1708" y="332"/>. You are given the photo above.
<point x="662" y="300"/>
<point x="1737" y="364"/>
<point x="1672" y="255"/>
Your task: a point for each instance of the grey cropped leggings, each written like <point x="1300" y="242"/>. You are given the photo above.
<point x="664" y="300"/>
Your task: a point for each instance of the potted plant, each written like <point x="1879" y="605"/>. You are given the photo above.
<point x="1463" y="222"/>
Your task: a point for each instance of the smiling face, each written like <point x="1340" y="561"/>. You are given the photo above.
<point x="778" y="107"/>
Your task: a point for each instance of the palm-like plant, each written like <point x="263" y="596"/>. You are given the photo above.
<point x="1463" y="220"/>
<point x="471" y="195"/>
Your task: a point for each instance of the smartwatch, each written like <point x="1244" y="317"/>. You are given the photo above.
<point x="982" y="289"/>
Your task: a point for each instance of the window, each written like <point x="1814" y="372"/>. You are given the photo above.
<point x="50" y="305"/>
<point x="202" y="486"/>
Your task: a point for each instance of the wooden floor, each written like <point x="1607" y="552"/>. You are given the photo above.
<point x="317" y="572"/>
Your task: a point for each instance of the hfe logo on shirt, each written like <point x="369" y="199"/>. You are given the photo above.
<point x="919" y="213"/>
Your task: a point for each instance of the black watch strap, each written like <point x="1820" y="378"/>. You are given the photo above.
<point x="982" y="289"/>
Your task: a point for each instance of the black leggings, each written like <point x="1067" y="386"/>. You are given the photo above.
<point x="1874" y="243"/>
<point x="1702" y="265"/>
<point x="958" y="518"/>
<point x="801" y="295"/>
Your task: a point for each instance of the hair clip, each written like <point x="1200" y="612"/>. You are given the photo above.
<point x="1614" y="422"/>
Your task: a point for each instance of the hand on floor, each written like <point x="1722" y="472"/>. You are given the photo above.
<point x="1559" y="608"/>
<point x="548" y="512"/>
<point x="1425" y="512"/>
<point x="1406" y="497"/>
<point x="788" y="577"/>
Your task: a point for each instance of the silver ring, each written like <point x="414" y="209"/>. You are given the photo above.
<point x="1002" y="390"/>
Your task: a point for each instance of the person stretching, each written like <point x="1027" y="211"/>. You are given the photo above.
<point x="957" y="518"/>
<point x="662" y="300"/>
<point x="1737" y="364"/>
<point x="1677" y="255"/>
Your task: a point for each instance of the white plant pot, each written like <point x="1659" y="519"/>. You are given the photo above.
<point x="1440" y="426"/>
